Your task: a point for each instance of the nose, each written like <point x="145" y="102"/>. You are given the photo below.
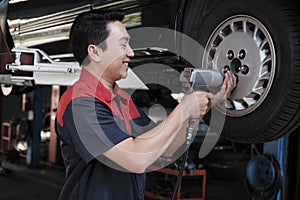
<point x="130" y="52"/>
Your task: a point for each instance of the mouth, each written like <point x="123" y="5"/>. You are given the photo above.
<point x="126" y="63"/>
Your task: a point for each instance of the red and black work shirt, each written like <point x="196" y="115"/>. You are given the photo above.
<point x="90" y="120"/>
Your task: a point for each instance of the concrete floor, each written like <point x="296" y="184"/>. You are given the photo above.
<point x="23" y="183"/>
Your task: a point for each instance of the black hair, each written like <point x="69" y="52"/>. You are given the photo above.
<point x="91" y="28"/>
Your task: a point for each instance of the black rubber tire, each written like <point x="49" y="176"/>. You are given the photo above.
<point x="279" y="113"/>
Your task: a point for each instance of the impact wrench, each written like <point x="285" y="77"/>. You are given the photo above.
<point x="196" y="80"/>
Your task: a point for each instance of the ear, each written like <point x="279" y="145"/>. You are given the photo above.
<point x="94" y="53"/>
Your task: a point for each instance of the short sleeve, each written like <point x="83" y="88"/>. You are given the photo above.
<point x="92" y="127"/>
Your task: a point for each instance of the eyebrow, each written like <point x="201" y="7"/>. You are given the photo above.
<point x="125" y="38"/>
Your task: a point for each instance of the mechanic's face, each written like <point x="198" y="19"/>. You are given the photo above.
<point x="116" y="57"/>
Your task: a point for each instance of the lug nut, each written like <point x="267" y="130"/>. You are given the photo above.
<point x="226" y="68"/>
<point x="244" y="69"/>
<point x="230" y="54"/>
<point x="242" y="54"/>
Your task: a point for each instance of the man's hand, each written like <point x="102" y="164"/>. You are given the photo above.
<point x="196" y="104"/>
<point x="228" y="85"/>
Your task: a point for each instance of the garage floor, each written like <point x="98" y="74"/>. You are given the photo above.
<point x="22" y="183"/>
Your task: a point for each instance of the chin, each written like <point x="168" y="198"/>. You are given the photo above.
<point x="124" y="76"/>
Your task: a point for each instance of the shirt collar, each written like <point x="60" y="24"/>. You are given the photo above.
<point x="99" y="91"/>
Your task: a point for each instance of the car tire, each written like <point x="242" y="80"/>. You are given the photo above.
<point x="253" y="116"/>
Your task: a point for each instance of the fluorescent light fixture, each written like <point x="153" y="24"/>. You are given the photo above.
<point x="16" y="1"/>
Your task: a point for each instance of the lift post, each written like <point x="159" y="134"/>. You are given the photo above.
<point x="34" y="158"/>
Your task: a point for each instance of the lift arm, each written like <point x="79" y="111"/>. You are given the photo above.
<point x="34" y="67"/>
<point x="38" y="68"/>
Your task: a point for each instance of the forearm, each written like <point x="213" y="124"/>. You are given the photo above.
<point x="163" y="135"/>
<point x="180" y="140"/>
<point x="137" y="154"/>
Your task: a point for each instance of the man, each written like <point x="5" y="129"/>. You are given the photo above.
<point x="108" y="143"/>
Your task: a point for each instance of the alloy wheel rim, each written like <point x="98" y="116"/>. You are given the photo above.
<point x="243" y="45"/>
